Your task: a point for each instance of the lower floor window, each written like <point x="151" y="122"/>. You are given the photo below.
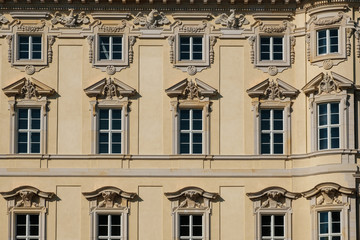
<point x="191" y="227"/>
<point x="329" y="225"/>
<point x="27" y="227"/>
<point x="272" y="227"/>
<point x="109" y="227"/>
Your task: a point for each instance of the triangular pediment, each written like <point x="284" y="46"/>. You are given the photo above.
<point x="109" y="88"/>
<point x="28" y="88"/>
<point x="191" y="89"/>
<point x="272" y="89"/>
<point x="327" y="83"/>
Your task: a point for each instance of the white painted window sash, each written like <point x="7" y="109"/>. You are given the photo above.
<point x="328" y="127"/>
<point x="328" y="44"/>
<point x="271" y="131"/>
<point x="29" y="130"/>
<point x="191" y="131"/>
<point x="272" y="230"/>
<point x="109" y="236"/>
<point x="110" y="131"/>
<point x="28" y="236"/>
<point x="191" y="237"/>
<point x="330" y="234"/>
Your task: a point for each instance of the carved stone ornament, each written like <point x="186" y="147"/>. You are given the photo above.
<point x="109" y="197"/>
<point x="27" y="197"/>
<point x="110" y="89"/>
<point x="189" y="89"/>
<point x="113" y="29"/>
<point x="272" y="198"/>
<point x="349" y="34"/>
<point x="272" y="90"/>
<point x="3" y="20"/>
<point x="153" y="20"/>
<point x="171" y="40"/>
<point x="328" y="21"/>
<point x="90" y="40"/>
<point x="132" y="40"/>
<point x="191" y="70"/>
<point x="111" y="70"/>
<point x="9" y="39"/>
<point x="292" y="49"/>
<point x="29" y="69"/>
<point x="71" y="20"/>
<point x="32" y="28"/>
<point x="270" y="28"/>
<point x="326" y="83"/>
<point x="51" y="41"/>
<point x="191" y="198"/>
<point x="212" y="44"/>
<point x="328" y="64"/>
<point x="252" y="51"/>
<point x="231" y="21"/>
<point x="28" y="88"/>
<point x="273" y="70"/>
<point x="193" y="29"/>
<point x="328" y="194"/>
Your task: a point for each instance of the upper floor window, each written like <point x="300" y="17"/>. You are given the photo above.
<point x="272" y="227"/>
<point x="191" y="133"/>
<point x="29" y="47"/>
<point x="328" y="126"/>
<point x="272" y="131"/>
<point x="271" y="48"/>
<point x="329" y="225"/>
<point x="29" y="129"/>
<point x="27" y="227"/>
<point x="110" y="131"/>
<point x="191" y="227"/>
<point x="191" y="48"/>
<point x="109" y="226"/>
<point x="110" y="48"/>
<point x="327" y="41"/>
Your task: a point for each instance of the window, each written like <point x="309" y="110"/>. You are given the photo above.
<point x="272" y="131"/>
<point x="27" y="227"/>
<point x="110" y="131"/>
<point x="327" y="41"/>
<point x="110" y="48"/>
<point x="191" y="48"/>
<point x="109" y="227"/>
<point x="191" y="227"/>
<point x="329" y="225"/>
<point x="29" y="48"/>
<point x="191" y="133"/>
<point x="328" y="126"/>
<point x="272" y="227"/>
<point x="271" y="48"/>
<point x="29" y="122"/>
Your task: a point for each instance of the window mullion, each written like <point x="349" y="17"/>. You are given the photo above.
<point x="327" y="41"/>
<point x="30" y="47"/>
<point x="109" y="226"/>
<point x="27" y="227"/>
<point x="190" y="226"/>
<point x="271" y="48"/>
<point x="272" y="130"/>
<point x="109" y="131"/>
<point x="191" y="48"/>
<point x="110" y="48"/>
<point x="191" y="131"/>
<point x="28" y="130"/>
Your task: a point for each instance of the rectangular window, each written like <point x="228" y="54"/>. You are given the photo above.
<point x="109" y="227"/>
<point x="272" y="131"/>
<point x="29" y="129"/>
<point x="271" y="48"/>
<point x="191" y="48"/>
<point x="272" y="227"/>
<point x="191" y="133"/>
<point x="328" y="126"/>
<point x="327" y="41"/>
<point x="29" y="48"/>
<point x="110" y="131"/>
<point x="191" y="227"/>
<point x="27" y="227"/>
<point x="329" y="224"/>
<point x="110" y="48"/>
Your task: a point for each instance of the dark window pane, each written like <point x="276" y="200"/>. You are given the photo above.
<point x="35" y="147"/>
<point x="279" y="231"/>
<point x="34" y="230"/>
<point x="36" y="55"/>
<point x="197" y="40"/>
<point x="277" y="40"/>
<point x="334" y="108"/>
<point x="334" y="132"/>
<point x="197" y="114"/>
<point x="336" y="228"/>
<point x="278" y="125"/>
<point x="35" y="124"/>
<point x="103" y="148"/>
<point x="34" y="219"/>
<point x="104" y="114"/>
<point x="265" y="114"/>
<point x="184" y="231"/>
<point x="23" y="124"/>
<point x="265" y="138"/>
<point x="103" y="230"/>
<point x="116" y="124"/>
<point x="265" y="124"/>
<point x="265" y="40"/>
<point x="265" y="148"/>
<point x="35" y="113"/>
<point x="184" y="137"/>
<point x="22" y="147"/>
<point x="197" y="137"/>
<point x="322" y="109"/>
<point x="197" y="231"/>
<point x="115" y="219"/>
<point x="265" y="56"/>
<point x="21" y="219"/>
<point x="197" y="56"/>
<point x="265" y="220"/>
<point x="322" y="50"/>
<point x="335" y="216"/>
<point x="278" y="149"/>
<point x="323" y="144"/>
<point x="23" y="113"/>
<point x="104" y="124"/>
<point x="104" y="137"/>
<point x="324" y="228"/>
<point x="116" y="114"/>
<point x="115" y="230"/>
<point x="323" y="133"/>
<point x="116" y="137"/>
<point x="323" y="217"/>
<point x="184" y="219"/>
<point x="184" y="148"/>
<point x="197" y="220"/>
<point x="322" y="34"/>
<point x="322" y="120"/>
<point x="278" y="56"/>
<point x="278" y="138"/>
<point x="266" y="231"/>
<point x="279" y="220"/>
<point x="184" y="114"/>
<point x="335" y="143"/>
<point x="197" y="148"/>
<point x="116" y="148"/>
<point x="184" y="124"/>
<point x="333" y="32"/>
<point x="334" y="49"/>
<point x="21" y="230"/>
<point x="102" y="219"/>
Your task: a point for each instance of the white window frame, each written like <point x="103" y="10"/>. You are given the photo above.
<point x="110" y="48"/>
<point x="191" y="47"/>
<point x="271" y="131"/>
<point x="191" y="131"/>
<point x="28" y="130"/>
<point x="191" y="237"/>
<point x="30" y="47"/>
<point x="110" y="130"/>
<point x="108" y="214"/>
<point x="37" y="211"/>
<point x="272" y="227"/>
<point x="27" y="235"/>
<point x="328" y="50"/>
<point x="15" y="55"/>
<point x="328" y="126"/>
<point x="271" y="46"/>
<point x="330" y="234"/>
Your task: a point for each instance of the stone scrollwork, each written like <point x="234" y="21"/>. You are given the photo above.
<point x="212" y="44"/>
<point x="113" y="29"/>
<point x="273" y="91"/>
<point x="327" y="85"/>
<point x="231" y="21"/>
<point x="9" y="40"/>
<point x="270" y="28"/>
<point x="27" y="197"/>
<point x="252" y="40"/>
<point x="71" y="20"/>
<point x="171" y="40"/>
<point x="328" y="21"/>
<point x="153" y="20"/>
<point x="3" y="20"/>
<point x="349" y="34"/>
<point x="109" y="197"/>
<point x="193" y="29"/>
<point x="32" y="28"/>
<point x="132" y="40"/>
<point x="51" y="41"/>
<point x="90" y="40"/>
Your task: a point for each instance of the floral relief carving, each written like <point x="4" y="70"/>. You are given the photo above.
<point x="327" y="196"/>
<point x="193" y="29"/>
<point x="90" y="40"/>
<point x="191" y="199"/>
<point x="212" y="44"/>
<point x="51" y="41"/>
<point x="33" y="28"/>
<point x="113" y="29"/>
<point x="328" y="21"/>
<point x="109" y="90"/>
<point x="171" y="40"/>
<point x="153" y="20"/>
<point x="71" y="20"/>
<point x="267" y="28"/>
<point x="327" y="84"/>
<point x="292" y="47"/>
<point x="273" y="199"/>
<point x="132" y="40"/>
<point x="273" y="91"/>
<point x="9" y="39"/>
<point x="191" y="90"/>
<point x="28" y="90"/>
<point x="349" y="34"/>
<point x="252" y="51"/>
<point x="231" y="21"/>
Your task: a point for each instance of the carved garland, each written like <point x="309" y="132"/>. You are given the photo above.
<point x="252" y="46"/>
<point x="333" y="20"/>
<point x="90" y="40"/>
<point x="9" y="39"/>
<point x="51" y="41"/>
<point x="193" y="29"/>
<point x="273" y="28"/>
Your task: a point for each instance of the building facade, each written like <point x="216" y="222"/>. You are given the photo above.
<point x="157" y="120"/>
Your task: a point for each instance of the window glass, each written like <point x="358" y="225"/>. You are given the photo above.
<point x="271" y="48"/>
<point x="29" y="129"/>
<point x="191" y="133"/>
<point x="191" y="48"/>
<point x="327" y="41"/>
<point x="110" y="48"/>
<point x="30" y="47"/>
<point x="109" y="226"/>
<point x="27" y="227"/>
<point x="191" y="227"/>
<point x="110" y="131"/>
<point x="328" y="126"/>
<point x="272" y="131"/>
<point x="329" y="225"/>
<point x="272" y="227"/>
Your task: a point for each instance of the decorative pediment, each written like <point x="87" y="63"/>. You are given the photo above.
<point x="109" y="89"/>
<point x="26" y="197"/>
<point x="328" y="194"/>
<point x="272" y="89"/>
<point x="28" y="89"/>
<point x="326" y="83"/>
<point x="273" y="197"/>
<point x="109" y="197"/>
<point x="189" y="89"/>
<point x="191" y="198"/>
